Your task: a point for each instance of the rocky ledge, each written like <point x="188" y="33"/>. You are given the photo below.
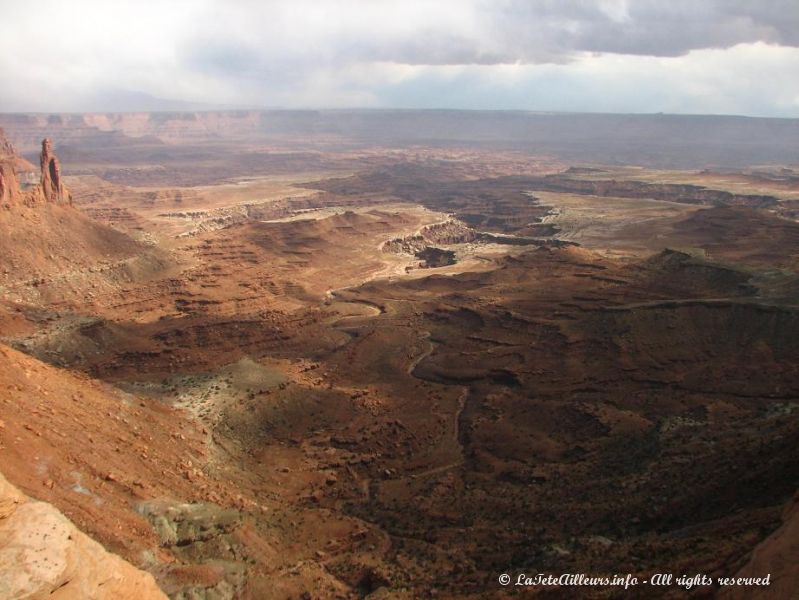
<point x="43" y="555"/>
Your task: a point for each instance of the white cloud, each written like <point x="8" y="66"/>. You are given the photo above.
<point x="609" y="55"/>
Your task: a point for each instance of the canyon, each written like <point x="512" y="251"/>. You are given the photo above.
<point x="395" y="354"/>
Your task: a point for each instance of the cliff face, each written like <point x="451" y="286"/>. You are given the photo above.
<point x="94" y="130"/>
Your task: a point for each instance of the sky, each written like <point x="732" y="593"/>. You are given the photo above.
<point x="632" y="56"/>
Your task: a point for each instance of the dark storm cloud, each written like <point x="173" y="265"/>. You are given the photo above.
<point x="678" y="26"/>
<point x="552" y="30"/>
<point x="464" y="32"/>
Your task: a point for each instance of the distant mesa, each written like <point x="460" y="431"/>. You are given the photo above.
<point x="51" y="188"/>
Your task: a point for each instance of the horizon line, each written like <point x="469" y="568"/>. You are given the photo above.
<point x="396" y="109"/>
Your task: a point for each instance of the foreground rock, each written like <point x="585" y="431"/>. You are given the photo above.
<point x="43" y="555"/>
<point x="777" y="555"/>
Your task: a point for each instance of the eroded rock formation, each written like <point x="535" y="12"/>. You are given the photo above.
<point x="52" y="186"/>
<point x="9" y="188"/>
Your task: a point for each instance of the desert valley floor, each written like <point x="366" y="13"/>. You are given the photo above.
<point x="263" y="369"/>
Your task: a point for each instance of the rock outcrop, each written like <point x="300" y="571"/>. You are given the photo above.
<point x="52" y="186"/>
<point x="43" y="235"/>
<point x="9" y="187"/>
<point x="43" y="555"/>
<point x="777" y="556"/>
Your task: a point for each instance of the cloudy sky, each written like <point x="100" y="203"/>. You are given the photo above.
<point x="680" y="56"/>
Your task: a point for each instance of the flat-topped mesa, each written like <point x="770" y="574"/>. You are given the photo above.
<point x="52" y="186"/>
